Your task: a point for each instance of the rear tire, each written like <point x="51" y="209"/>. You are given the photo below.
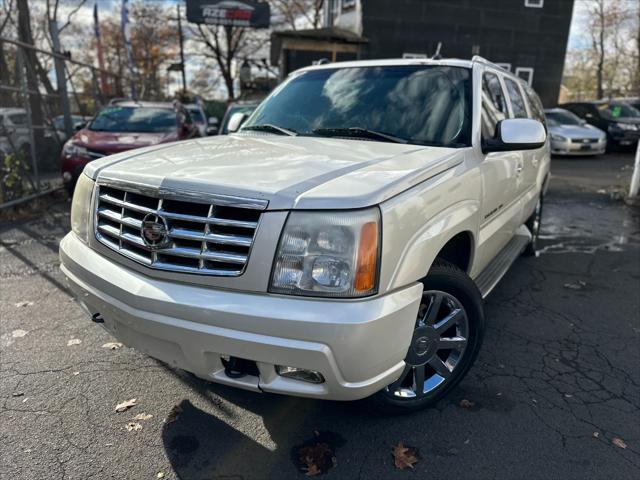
<point x="446" y="340"/>
<point x="533" y="223"/>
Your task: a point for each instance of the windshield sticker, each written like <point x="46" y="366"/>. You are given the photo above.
<point x="616" y="111"/>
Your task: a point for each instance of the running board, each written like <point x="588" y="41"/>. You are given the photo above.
<point x="493" y="273"/>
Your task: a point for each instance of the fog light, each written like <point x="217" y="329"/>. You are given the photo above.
<point x="310" y="376"/>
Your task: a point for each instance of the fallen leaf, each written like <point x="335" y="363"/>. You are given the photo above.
<point x="18" y="333"/>
<point x="23" y="304"/>
<point x="568" y="395"/>
<point x="312" y="471"/>
<point x="596" y="434"/>
<point x="174" y="413"/>
<point x="76" y="373"/>
<point x="143" y="416"/>
<point x="112" y="345"/>
<point x="404" y="457"/>
<point x="74" y="341"/>
<point x="160" y="475"/>
<point x="126" y="405"/>
<point x="464" y="403"/>
<point x="17" y="394"/>
<point x="133" y="426"/>
<point x="579" y="285"/>
<point x="618" y="442"/>
<point x="316" y="458"/>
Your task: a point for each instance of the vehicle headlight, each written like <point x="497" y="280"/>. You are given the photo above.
<point x="328" y="254"/>
<point x="558" y="138"/>
<point x="74" y="150"/>
<point x="625" y="126"/>
<point x="81" y="208"/>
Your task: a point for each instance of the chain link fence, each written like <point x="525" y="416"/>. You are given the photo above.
<point x="36" y="118"/>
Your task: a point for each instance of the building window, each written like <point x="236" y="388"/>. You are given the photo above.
<point x="534" y="3"/>
<point x="504" y="66"/>
<point x="526" y="74"/>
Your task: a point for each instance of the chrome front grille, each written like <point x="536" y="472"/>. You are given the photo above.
<point x="212" y="238"/>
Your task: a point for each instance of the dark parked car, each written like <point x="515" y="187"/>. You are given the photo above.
<point x="619" y="120"/>
<point x="124" y="125"/>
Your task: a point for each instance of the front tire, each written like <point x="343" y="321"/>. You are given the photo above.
<point x="446" y="340"/>
<point x="533" y="224"/>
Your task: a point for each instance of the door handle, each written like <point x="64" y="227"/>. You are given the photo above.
<point x="519" y="169"/>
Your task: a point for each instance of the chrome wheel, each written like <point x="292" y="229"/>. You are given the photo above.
<point x="437" y="346"/>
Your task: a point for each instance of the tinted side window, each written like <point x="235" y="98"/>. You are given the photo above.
<point x="494" y="107"/>
<point x="18" y="119"/>
<point x="537" y="110"/>
<point x="517" y="102"/>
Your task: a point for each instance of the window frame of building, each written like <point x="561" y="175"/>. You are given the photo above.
<point x="529" y="70"/>
<point x="505" y="66"/>
<point x="534" y="3"/>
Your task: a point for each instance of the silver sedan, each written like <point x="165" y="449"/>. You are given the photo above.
<point x="570" y="135"/>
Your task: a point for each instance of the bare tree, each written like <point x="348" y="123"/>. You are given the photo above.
<point x="226" y="44"/>
<point x="30" y="60"/>
<point x="295" y="13"/>
<point x="610" y="64"/>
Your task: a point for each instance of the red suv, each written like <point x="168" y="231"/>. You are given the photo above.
<point x="124" y="125"/>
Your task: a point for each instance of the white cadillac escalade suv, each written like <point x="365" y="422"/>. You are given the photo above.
<point x="338" y="246"/>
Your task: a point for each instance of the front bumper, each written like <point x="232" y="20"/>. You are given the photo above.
<point x="357" y="345"/>
<point x="570" y="147"/>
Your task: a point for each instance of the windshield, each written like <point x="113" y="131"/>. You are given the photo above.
<point x="617" y="110"/>
<point x="427" y="105"/>
<point x="134" y="119"/>
<point x="196" y="115"/>
<point x="563" y="118"/>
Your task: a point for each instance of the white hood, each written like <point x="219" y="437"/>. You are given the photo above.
<point x="289" y="172"/>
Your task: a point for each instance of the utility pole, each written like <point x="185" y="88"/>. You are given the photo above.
<point x="61" y="79"/>
<point x="184" y="76"/>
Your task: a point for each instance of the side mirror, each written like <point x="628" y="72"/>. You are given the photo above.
<point x="212" y="130"/>
<point x="516" y="134"/>
<point x="79" y="126"/>
<point x="236" y="121"/>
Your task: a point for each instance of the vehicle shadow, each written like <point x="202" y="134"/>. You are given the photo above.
<point x="234" y="434"/>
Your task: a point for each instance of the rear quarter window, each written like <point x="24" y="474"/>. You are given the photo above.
<point x="535" y="105"/>
<point x="517" y="101"/>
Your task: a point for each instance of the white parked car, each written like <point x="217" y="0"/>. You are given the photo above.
<point x="570" y="135"/>
<point x="14" y="131"/>
<point x="338" y="246"/>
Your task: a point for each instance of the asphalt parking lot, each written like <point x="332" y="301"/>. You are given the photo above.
<point x="555" y="392"/>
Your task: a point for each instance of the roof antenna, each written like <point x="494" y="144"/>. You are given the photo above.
<point x="437" y="56"/>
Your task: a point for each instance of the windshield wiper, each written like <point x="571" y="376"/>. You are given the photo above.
<point x="268" y="127"/>
<point x="357" y="132"/>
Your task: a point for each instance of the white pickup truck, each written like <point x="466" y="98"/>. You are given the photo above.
<point x="338" y="246"/>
